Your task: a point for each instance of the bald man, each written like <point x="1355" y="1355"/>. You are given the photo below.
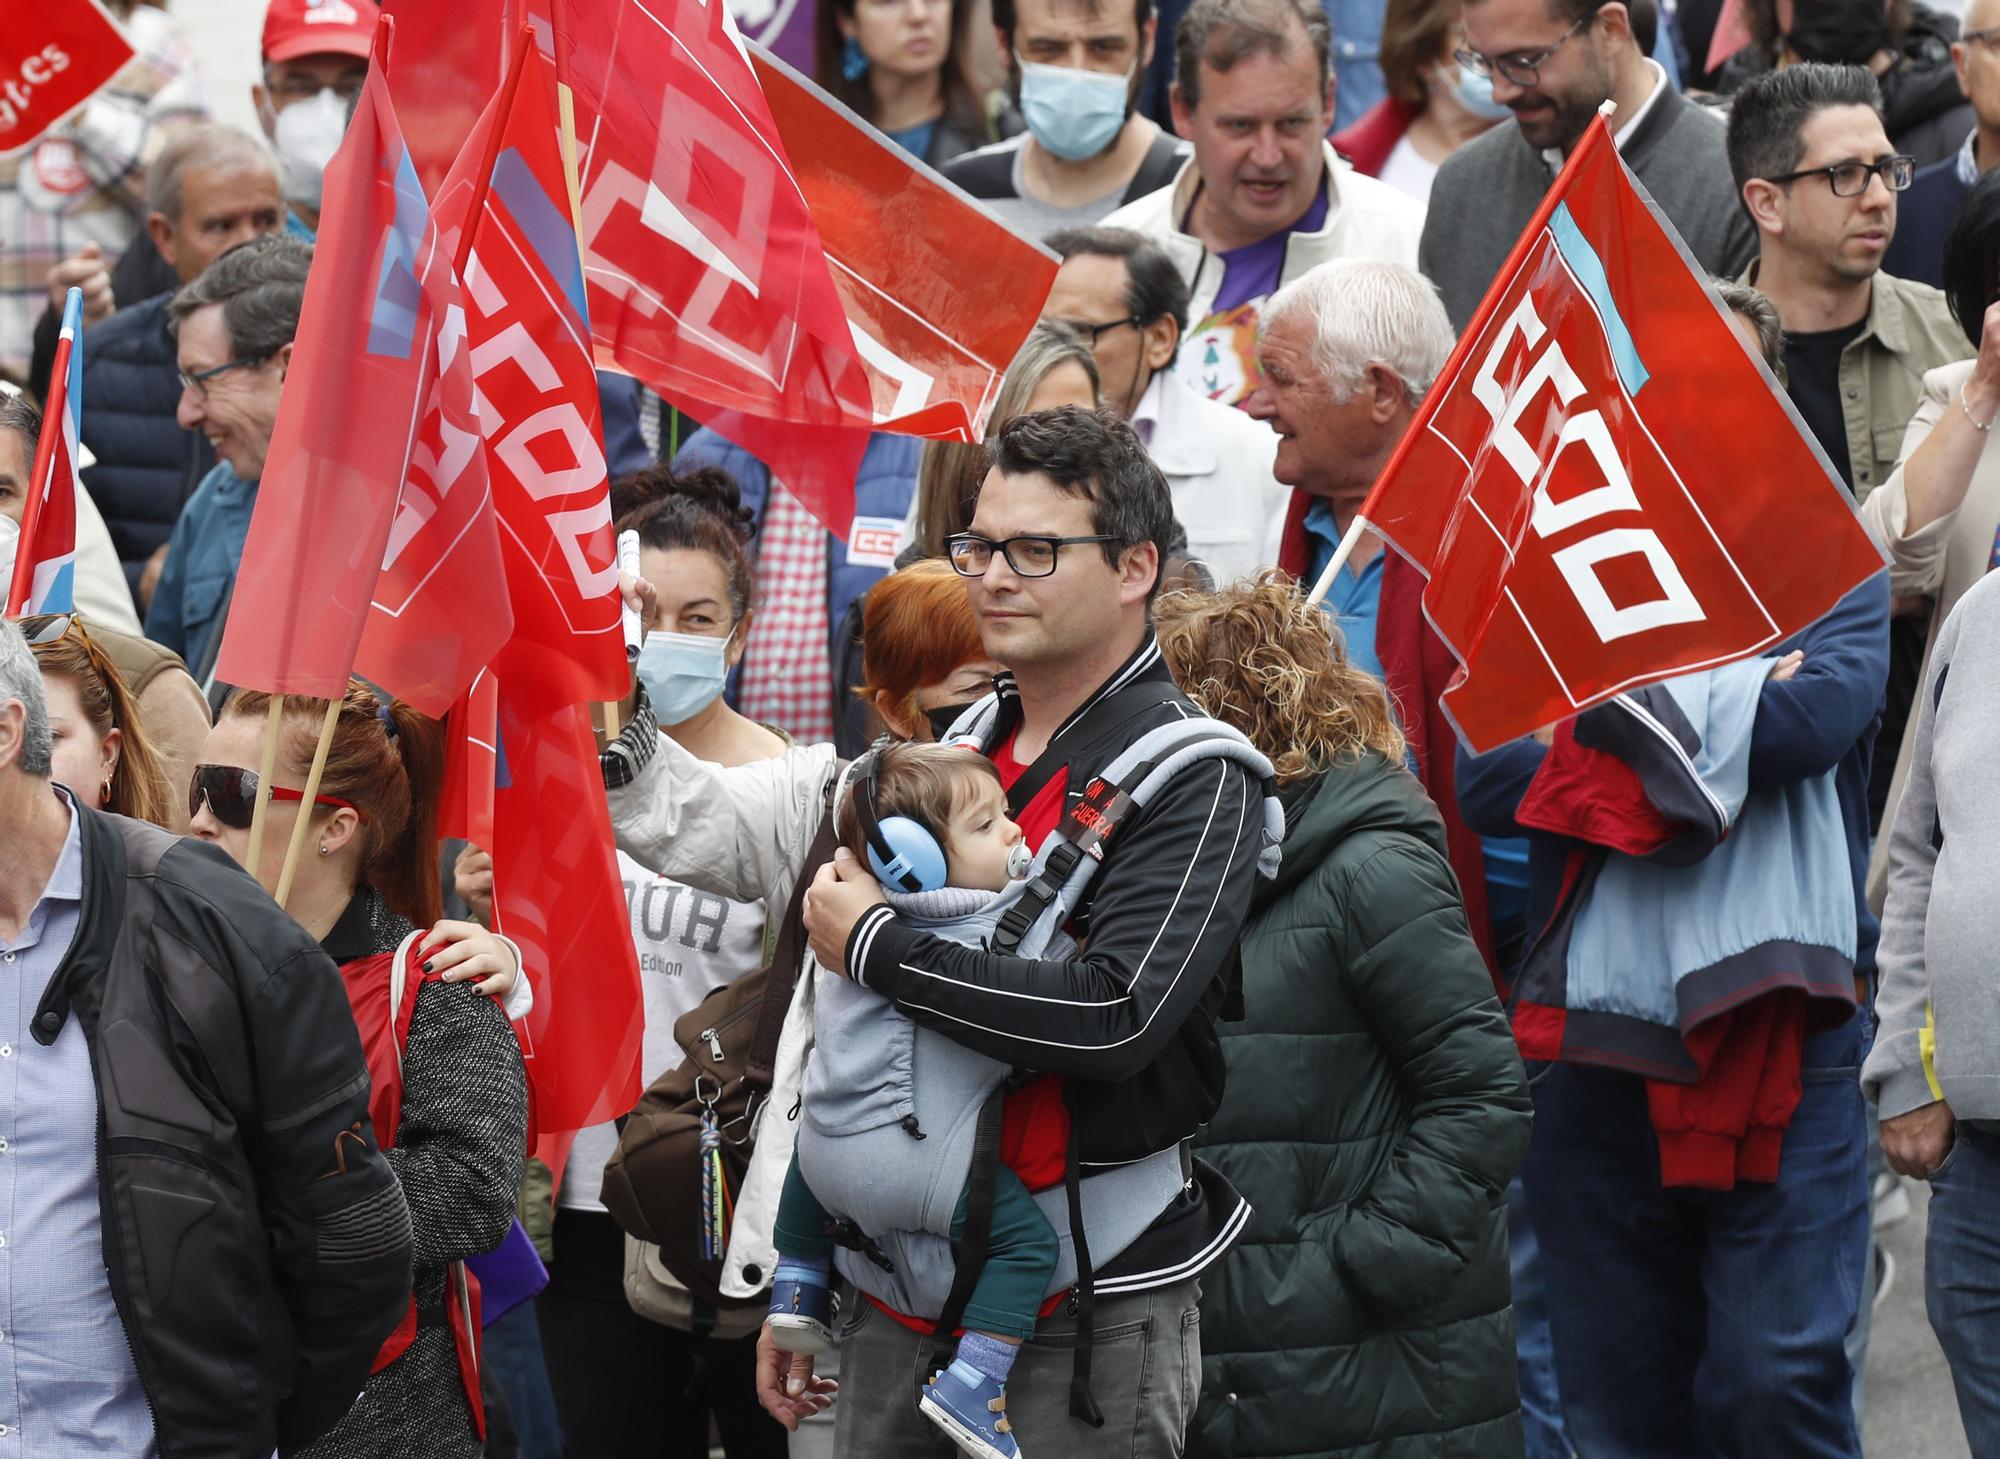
<point x="1927" y="211"/>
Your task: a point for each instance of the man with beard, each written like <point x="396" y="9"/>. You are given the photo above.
<point x="1074" y="67"/>
<point x="1553" y="63"/>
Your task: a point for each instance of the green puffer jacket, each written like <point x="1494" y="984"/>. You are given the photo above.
<point x="1376" y="1110"/>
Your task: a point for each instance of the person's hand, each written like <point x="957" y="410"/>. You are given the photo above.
<point x="1982" y="391"/>
<point x="86" y="270"/>
<point x="472" y="879"/>
<point x="461" y="951"/>
<point x="638" y="595"/>
<point x="1545" y="736"/>
<point x="843" y="890"/>
<point x="1786" y="667"/>
<point x="1917" y="1142"/>
<point x="786" y="1385"/>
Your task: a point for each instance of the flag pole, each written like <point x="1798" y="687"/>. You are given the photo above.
<point x="310" y="794"/>
<point x="23" y="582"/>
<point x="267" y="766"/>
<point x="1348" y="542"/>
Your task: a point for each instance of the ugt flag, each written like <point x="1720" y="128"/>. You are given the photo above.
<point x="53" y="58"/>
<point x="353" y="399"/>
<point x="45" y="562"/>
<point x="1605" y="487"/>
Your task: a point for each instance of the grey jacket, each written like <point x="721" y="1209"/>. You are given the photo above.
<point x="1487" y="191"/>
<point x="1939" y="1002"/>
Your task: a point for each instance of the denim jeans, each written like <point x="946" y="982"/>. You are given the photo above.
<point x="1962" y="1279"/>
<point x="1541" y="1402"/>
<point x="1702" y="1322"/>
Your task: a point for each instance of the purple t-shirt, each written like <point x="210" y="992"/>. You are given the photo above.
<point x="1219" y="358"/>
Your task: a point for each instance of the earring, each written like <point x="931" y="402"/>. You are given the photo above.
<point x="105" y="799"/>
<point x="322" y="850"/>
<point x="853" y="61"/>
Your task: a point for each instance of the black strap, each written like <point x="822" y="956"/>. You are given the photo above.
<point x="787" y="954"/>
<point x="971" y="1256"/>
<point x="1110" y="709"/>
<point x="1156" y="169"/>
<point x="1082" y="1404"/>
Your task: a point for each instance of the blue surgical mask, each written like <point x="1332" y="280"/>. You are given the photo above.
<point x="683" y="673"/>
<point x="1475" y="94"/>
<point x="1075" y="114"/>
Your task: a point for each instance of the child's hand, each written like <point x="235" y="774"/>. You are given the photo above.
<point x="462" y="951"/>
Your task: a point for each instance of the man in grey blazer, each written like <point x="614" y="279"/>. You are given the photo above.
<point x="1553" y="63"/>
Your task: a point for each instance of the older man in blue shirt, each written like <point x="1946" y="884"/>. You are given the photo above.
<point x="202" y="1248"/>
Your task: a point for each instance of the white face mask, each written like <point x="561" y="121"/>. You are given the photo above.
<point x="307" y="134"/>
<point x="10" y="542"/>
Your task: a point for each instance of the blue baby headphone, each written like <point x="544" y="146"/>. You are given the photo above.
<point x="902" y="850"/>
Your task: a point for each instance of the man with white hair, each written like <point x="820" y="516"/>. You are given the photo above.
<point x="202" y="1244"/>
<point x="1348" y="350"/>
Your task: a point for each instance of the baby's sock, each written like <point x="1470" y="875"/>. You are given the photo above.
<point x="808" y="1273"/>
<point x="981" y="1357"/>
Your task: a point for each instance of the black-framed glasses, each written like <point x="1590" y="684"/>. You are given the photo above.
<point x="198" y="381"/>
<point x="1519" y="69"/>
<point x="1031" y="557"/>
<point x="1850" y="179"/>
<point x="1098" y="331"/>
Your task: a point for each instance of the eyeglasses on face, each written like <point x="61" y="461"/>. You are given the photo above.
<point x="198" y="381"/>
<point x="1850" y="179"/>
<point x="1030" y="557"/>
<point x="1095" y="332"/>
<point x="231" y="793"/>
<point x="1522" y="70"/>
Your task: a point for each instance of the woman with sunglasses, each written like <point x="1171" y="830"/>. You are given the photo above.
<point x="450" y="1092"/>
<point x="102" y="753"/>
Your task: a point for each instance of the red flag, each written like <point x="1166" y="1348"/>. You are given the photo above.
<point x="557" y="893"/>
<point x="45" y="561"/>
<point x="705" y="273"/>
<point x="472" y="769"/>
<point x="539" y="411"/>
<point x="53" y="58"/>
<point x="1604" y="487"/>
<point x="345" y="426"/>
<point x="934" y="335"/>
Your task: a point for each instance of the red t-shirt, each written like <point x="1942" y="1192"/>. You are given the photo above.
<point x="1034" y="1122"/>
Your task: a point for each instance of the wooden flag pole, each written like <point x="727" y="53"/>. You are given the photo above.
<point x="311" y="794"/>
<point x="1340" y="555"/>
<point x="267" y="766"/>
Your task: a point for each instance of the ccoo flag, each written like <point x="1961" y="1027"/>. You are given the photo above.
<point x="1606" y="487"/>
<point x="45" y="562"/>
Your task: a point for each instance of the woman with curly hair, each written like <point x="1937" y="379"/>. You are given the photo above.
<point x="1376" y="1107"/>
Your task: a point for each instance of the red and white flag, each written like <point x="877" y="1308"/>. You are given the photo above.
<point x="1605" y="487"/>
<point x="53" y="59"/>
<point x="45" y="561"/>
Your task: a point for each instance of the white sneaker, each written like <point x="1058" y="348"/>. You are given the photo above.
<point x="1891" y="1200"/>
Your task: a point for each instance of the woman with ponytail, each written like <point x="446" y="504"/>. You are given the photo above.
<point x="450" y="1102"/>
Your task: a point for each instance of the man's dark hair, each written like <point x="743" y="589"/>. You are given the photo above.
<point x="1219" y="33"/>
<point x="1769" y="114"/>
<point x="1972" y="257"/>
<point x="261" y="286"/>
<point x="1005" y="18"/>
<point x="1154" y="288"/>
<point x="1642" y="15"/>
<point x="1093" y="453"/>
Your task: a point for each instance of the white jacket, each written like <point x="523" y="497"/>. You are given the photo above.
<point x="1218" y="464"/>
<point x="1364" y="219"/>
<point x="740" y="832"/>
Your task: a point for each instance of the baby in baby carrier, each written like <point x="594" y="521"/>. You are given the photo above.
<point x="932" y="823"/>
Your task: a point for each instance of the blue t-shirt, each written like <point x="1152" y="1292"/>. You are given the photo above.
<point x="1355" y="596"/>
<point x="915" y="140"/>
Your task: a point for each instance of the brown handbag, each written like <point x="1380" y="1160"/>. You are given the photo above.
<point x="685" y="1148"/>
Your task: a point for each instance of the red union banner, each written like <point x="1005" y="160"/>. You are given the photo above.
<point x="53" y="58"/>
<point x="1604" y="487"/>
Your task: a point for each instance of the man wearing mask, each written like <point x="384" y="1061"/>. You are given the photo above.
<point x="1075" y="68"/>
<point x="315" y="59"/>
<point x="1264" y="198"/>
<point x="1553" y="63"/>
<point x="1124" y="294"/>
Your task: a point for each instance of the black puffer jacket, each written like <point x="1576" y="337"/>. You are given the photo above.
<point x="147" y="466"/>
<point x="1376" y="1110"/>
<point x="256" y="1239"/>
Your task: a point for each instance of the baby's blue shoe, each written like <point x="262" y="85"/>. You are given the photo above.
<point x="974" y="1414"/>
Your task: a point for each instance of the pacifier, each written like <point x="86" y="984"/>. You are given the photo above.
<point x="1020" y="861"/>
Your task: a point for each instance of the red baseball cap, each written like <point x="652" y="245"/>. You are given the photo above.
<point x="294" y="28"/>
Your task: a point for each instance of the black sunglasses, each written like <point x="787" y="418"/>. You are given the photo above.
<point x="231" y="793"/>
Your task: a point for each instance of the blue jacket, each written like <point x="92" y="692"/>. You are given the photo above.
<point x="883" y="486"/>
<point x="147" y="466"/>
<point x="1924" y="216"/>
<point x="1823" y="718"/>
<point x="207" y="544"/>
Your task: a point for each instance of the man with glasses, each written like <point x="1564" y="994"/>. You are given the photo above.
<point x="1553" y="63"/>
<point x="1124" y="294"/>
<point x="234" y="328"/>
<point x="1062" y="562"/>
<point x="1928" y="210"/>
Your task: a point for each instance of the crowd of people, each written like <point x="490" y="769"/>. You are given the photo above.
<point x="1157" y="1051"/>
